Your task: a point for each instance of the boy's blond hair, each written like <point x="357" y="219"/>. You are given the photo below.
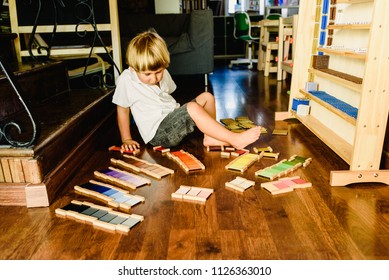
<point x="147" y="52"/>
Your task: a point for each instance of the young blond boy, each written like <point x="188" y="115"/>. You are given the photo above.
<point x="144" y="90"/>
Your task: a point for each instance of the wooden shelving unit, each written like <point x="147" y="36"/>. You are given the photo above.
<point x="349" y="26"/>
<point x="348" y="53"/>
<point x="357" y="75"/>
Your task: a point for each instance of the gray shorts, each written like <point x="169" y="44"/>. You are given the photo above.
<point x="174" y="127"/>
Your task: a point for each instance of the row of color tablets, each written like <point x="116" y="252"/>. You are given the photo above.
<point x="287" y="184"/>
<point x="121" y="178"/>
<point x="99" y="216"/>
<point x="243" y="162"/>
<point x="186" y="161"/>
<point x="115" y="197"/>
<point x="283" y="167"/>
<point x="240" y="184"/>
<point x="193" y="194"/>
<point x="135" y="164"/>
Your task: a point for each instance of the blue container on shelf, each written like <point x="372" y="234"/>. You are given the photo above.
<point x="299" y="101"/>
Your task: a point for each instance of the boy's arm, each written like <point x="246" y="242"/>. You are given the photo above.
<point x="123" y="119"/>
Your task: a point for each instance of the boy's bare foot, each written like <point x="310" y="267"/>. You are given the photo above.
<point x="209" y="141"/>
<point x="243" y="139"/>
<point x="239" y="140"/>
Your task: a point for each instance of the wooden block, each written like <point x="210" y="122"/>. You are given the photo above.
<point x="296" y="182"/>
<point x="239" y="184"/>
<point x="129" y="223"/>
<point x="283" y="167"/>
<point x="263" y="149"/>
<point x="132" y="163"/>
<point x="204" y="194"/>
<point x="60" y="212"/>
<point x="161" y="149"/>
<point x="114" y="197"/>
<point x="102" y="217"/>
<point x="276" y="187"/>
<point x="215" y="148"/>
<point x="320" y="61"/>
<point x="271" y="155"/>
<point x="121" y="178"/>
<point x="237" y="153"/>
<point x="245" y="122"/>
<point x="286" y="185"/>
<point x="118" y="149"/>
<point x="299" y="101"/>
<point x="311" y="86"/>
<point x="192" y="194"/>
<point x="243" y="162"/>
<point x="225" y="154"/>
<point x="125" y="165"/>
<point x="36" y="195"/>
<point x="179" y="194"/>
<point x="186" y="161"/>
<point x="280" y="132"/>
<point x="230" y="124"/>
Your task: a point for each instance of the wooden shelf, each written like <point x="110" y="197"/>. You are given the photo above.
<point x="329" y="107"/>
<point x="346" y="83"/>
<point x="347" y="53"/>
<point x="330" y="138"/>
<point x="112" y="27"/>
<point x="65" y="28"/>
<point x="349" y="26"/>
<point x="358" y="137"/>
<point x="68" y="52"/>
<point x="91" y="69"/>
<point x="287" y="66"/>
<point x="353" y="1"/>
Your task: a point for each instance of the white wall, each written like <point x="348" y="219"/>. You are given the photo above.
<point x="167" y="6"/>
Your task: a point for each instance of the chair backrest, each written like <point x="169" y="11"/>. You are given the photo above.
<point x="294" y="35"/>
<point x="273" y="16"/>
<point x="288" y="27"/>
<point x="242" y="24"/>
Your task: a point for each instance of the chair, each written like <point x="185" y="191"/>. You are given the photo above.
<point x="288" y="35"/>
<point x="269" y="26"/>
<point x="242" y="31"/>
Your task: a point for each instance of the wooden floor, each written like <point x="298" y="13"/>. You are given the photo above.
<point x="320" y="222"/>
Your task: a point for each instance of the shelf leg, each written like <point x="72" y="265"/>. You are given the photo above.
<point x="346" y="177"/>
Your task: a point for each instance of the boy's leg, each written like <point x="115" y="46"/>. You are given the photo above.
<point x="207" y="101"/>
<point x="214" y="132"/>
<point x="174" y="127"/>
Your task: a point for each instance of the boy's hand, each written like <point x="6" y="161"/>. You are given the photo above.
<point x="130" y="144"/>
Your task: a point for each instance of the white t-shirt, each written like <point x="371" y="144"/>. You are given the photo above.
<point x="149" y="104"/>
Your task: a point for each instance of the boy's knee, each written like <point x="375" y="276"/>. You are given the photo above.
<point x="205" y="97"/>
<point x="208" y="95"/>
<point x="192" y="107"/>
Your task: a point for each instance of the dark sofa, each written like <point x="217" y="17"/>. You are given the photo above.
<point x="189" y="38"/>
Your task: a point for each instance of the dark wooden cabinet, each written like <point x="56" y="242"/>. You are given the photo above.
<point x="225" y="45"/>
